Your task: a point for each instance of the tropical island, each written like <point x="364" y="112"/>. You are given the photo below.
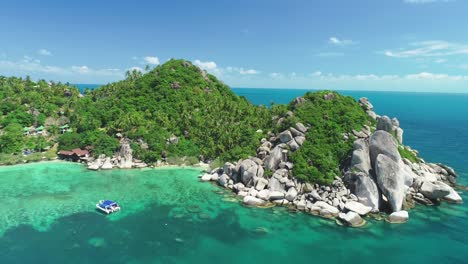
<point x="323" y="153"/>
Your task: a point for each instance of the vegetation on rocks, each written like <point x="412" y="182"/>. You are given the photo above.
<point x="408" y="154"/>
<point x="330" y="116"/>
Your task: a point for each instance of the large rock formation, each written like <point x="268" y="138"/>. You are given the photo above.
<point x="274" y="159"/>
<point x="376" y="175"/>
<point x="382" y="142"/>
<point x="125" y="157"/>
<point x="390" y="180"/>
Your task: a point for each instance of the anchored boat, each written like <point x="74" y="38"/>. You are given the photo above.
<point x="107" y="206"/>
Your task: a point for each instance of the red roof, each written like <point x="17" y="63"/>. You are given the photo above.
<point x="80" y="152"/>
<point x="66" y="152"/>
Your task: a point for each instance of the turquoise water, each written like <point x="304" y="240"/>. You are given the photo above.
<point x="82" y="87"/>
<point x="47" y="211"/>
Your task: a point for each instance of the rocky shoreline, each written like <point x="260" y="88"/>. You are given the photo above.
<point x="122" y="160"/>
<point x="376" y="180"/>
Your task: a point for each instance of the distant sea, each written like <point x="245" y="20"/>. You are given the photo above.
<point x="47" y="211"/>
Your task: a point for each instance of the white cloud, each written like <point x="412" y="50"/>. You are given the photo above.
<point x="248" y="72"/>
<point x="27" y="59"/>
<point x="80" y="69"/>
<point x="340" y="42"/>
<point x="276" y="75"/>
<point x="330" y="77"/>
<point x="317" y="73"/>
<point x="152" y="60"/>
<point x="28" y="66"/>
<point x="433" y="48"/>
<point x="433" y="76"/>
<point x="44" y="52"/>
<point x="206" y="65"/>
<point x="241" y="71"/>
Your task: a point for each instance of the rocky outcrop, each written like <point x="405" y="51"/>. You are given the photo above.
<point x="107" y="165"/>
<point x="124" y="156"/>
<point x="382" y="142"/>
<point x="123" y="159"/>
<point x="360" y="160"/>
<point x="376" y="176"/>
<point x="274" y="158"/>
<point x="390" y="180"/>
<point x="365" y="189"/>
<point x="364" y="102"/>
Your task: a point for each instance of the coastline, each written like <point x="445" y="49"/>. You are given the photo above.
<point x="201" y="166"/>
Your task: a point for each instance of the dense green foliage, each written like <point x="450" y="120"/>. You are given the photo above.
<point x="179" y="112"/>
<point x="24" y="103"/>
<point x="175" y="99"/>
<point x="325" y="149"/>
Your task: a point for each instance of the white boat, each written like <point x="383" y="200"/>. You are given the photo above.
<point x="107" y="206"/>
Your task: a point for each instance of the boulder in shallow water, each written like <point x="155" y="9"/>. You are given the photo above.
<point x="205" y="177"/>
<point x="223" y="179"/>
<point x="264" y="195"/>
<point x="435" y="190"/>
<point x="398" y="217"/>
<point x="107" y="165"/>
<point x="453" y="197"/>
<point x="326" y="209"/>
<point x="351" y="218"/>
<point x="250" y="200"/>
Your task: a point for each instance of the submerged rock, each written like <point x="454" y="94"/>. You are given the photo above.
<point x="250" y="200"/>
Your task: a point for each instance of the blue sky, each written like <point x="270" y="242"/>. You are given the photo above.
<point x="399" y="45"/>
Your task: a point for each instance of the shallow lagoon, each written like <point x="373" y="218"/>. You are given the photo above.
<point x="168" y="216"/>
